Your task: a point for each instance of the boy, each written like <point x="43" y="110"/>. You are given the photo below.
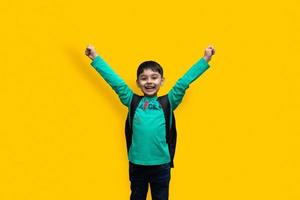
<point x="149" y="151"/>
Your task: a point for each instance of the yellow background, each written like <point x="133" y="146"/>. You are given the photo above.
<point x="62" y="126"/>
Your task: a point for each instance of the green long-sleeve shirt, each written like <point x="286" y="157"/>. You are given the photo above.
<point x="149" y="145"/>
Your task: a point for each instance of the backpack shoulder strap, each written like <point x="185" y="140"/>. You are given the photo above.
<point x="133" y="105"/>
<point x="165" y="104"/>
<point x="171" y="132"/>
<point x="128" y="124"/>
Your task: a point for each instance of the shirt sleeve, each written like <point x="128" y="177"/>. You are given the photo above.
<point x="114" y="80"/>
<point x="177" y="92"/>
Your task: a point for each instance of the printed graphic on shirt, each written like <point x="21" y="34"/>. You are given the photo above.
<point x="150" y="106"/>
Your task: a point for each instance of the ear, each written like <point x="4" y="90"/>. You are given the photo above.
<point x="163" y="80"/>
<point x="138" y="84"/>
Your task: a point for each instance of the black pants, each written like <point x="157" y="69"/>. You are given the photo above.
<point x="157" y="175"/>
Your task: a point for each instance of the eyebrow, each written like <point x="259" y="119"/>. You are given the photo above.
<point x="143" y="75"/>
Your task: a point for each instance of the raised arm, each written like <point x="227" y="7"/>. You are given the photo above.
<point x="177" y="93"/>
<point x="110" y="76"/>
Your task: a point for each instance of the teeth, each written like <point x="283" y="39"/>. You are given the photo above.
<point x="150" y="87"/>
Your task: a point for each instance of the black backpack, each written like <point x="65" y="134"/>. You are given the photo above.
<point x="171" y="133"/>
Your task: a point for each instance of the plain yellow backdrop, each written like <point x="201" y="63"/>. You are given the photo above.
<point x="62" y="127"/>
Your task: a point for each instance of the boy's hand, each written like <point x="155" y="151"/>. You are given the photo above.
<point x="209" y="52"/>
<point x="90" y="51"/>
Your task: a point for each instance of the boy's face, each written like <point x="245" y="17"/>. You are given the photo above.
<point x="150" y="82"/>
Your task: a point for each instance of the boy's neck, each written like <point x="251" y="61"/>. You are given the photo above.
<point x="150" y="97"/>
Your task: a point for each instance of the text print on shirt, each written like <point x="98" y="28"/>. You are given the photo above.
<point x="150" y="106"/>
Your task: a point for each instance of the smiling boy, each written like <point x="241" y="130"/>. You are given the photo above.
<point x="150" y="129"/>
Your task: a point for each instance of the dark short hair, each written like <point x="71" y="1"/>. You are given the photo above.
<point x="154" y="66"/>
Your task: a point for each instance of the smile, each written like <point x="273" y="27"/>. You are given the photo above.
<point x="150" y="87"/>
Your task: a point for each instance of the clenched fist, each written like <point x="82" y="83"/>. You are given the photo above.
<point x="209" y="52"/>
<point x="90" y="51"/>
